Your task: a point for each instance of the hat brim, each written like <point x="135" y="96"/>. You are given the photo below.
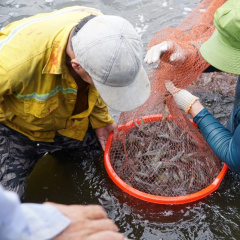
<point x="126" y="98"/>
<point x="220" y="55"/>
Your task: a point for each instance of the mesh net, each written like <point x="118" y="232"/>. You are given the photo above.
<point x="158" y="150"/>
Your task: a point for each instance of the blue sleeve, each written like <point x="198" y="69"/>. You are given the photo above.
<point x="226" y="145"/>
<point x="28" y="221"/>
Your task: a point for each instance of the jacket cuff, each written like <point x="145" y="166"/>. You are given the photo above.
<point x="103" y="122"/>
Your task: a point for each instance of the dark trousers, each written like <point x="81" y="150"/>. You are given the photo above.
<point x="19" y="154"/>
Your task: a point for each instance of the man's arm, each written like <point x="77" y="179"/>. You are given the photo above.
<point x="102" y="121"/>
<point x="30" y="221"/>
<point x="88" y="223"/>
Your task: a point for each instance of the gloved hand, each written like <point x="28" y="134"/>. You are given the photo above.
<point x="177" y="54"/>
<point x="183" y="98"/>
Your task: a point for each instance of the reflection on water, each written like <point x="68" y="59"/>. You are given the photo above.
<point x="71" y="178"/>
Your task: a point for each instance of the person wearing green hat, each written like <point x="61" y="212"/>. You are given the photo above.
<point x="222" y="52"/>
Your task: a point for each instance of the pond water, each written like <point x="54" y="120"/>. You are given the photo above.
<point x="73" y="178"/>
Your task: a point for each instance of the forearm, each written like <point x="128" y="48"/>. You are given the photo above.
<point x="225" y="145"/>
<point x="196" y="108"/>
<point x="44" y="221"/>
<point x="28" y="221"/>
<point x="223" y="142"/>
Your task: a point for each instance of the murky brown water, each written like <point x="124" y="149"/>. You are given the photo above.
<point x="71" y="178"/>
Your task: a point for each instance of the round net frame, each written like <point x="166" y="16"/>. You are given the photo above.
<point x="150" y="181"/>
<point x="157" y="153"/>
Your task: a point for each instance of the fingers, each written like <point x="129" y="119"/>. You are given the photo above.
<point x="88" y="233"/>
<point x="103" y="144"/>
<point x="111" y="127"/>
<point x="148" y="57"/>
<point x="103" y="133"/>
<point x="87" y="223"/>
<point x="107" y="236"/>
<point x="170" y="87"/>
<point x="101" y="225"/>
<point x="87" y="212"/>
<point x="177" y="57"/>
<point x="177" y="54"/>
<point x="93" y="212"/>
<point x="88" y="228"/>
<point x="154" y="54"/>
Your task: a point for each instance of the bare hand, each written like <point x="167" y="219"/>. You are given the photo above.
<point x="87" y="223"/>
<point x="103" y="133"/>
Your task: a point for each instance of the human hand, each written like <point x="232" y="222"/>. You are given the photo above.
<point x="87" y="223"/>
<point x="103" y="133"/>
<point x="176" y="53"/>
<point x="183" y="98"/>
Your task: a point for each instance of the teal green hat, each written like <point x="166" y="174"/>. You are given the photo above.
<point x="222" y="49"/>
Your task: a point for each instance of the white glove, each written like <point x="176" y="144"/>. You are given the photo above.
<point x="155" y="53"/>
<point x="183" y="98"/>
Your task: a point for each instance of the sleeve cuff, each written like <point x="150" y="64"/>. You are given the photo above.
<point x="44" y="221"/>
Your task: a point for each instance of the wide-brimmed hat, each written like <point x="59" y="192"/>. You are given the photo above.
<point x="110" y="50"/>
<point x="222" y="49"/>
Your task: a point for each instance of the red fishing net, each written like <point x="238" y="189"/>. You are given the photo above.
<point x="158" y="150"/>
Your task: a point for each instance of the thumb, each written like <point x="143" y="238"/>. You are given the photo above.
<point x="178" y="55"/>
<point x="171" y="87"/>
<point x="102" y="142"/>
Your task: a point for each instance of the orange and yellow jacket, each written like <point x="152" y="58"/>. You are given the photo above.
<point x="37" y="92"/>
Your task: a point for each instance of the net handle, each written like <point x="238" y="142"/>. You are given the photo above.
<point x="153" y="198"/>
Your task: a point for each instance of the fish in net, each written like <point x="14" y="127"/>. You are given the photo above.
<point x="160" y="158"/>
<point x="157" y="149"/>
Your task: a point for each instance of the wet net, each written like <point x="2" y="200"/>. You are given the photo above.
<point x="157" y="151"/>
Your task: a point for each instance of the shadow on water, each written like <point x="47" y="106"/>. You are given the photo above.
<point x="71" y="178"/>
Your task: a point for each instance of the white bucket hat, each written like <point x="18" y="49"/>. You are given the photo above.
<point x="110" y="50"/>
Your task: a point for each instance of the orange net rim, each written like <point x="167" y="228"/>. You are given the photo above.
<point x="154" y="198"/>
